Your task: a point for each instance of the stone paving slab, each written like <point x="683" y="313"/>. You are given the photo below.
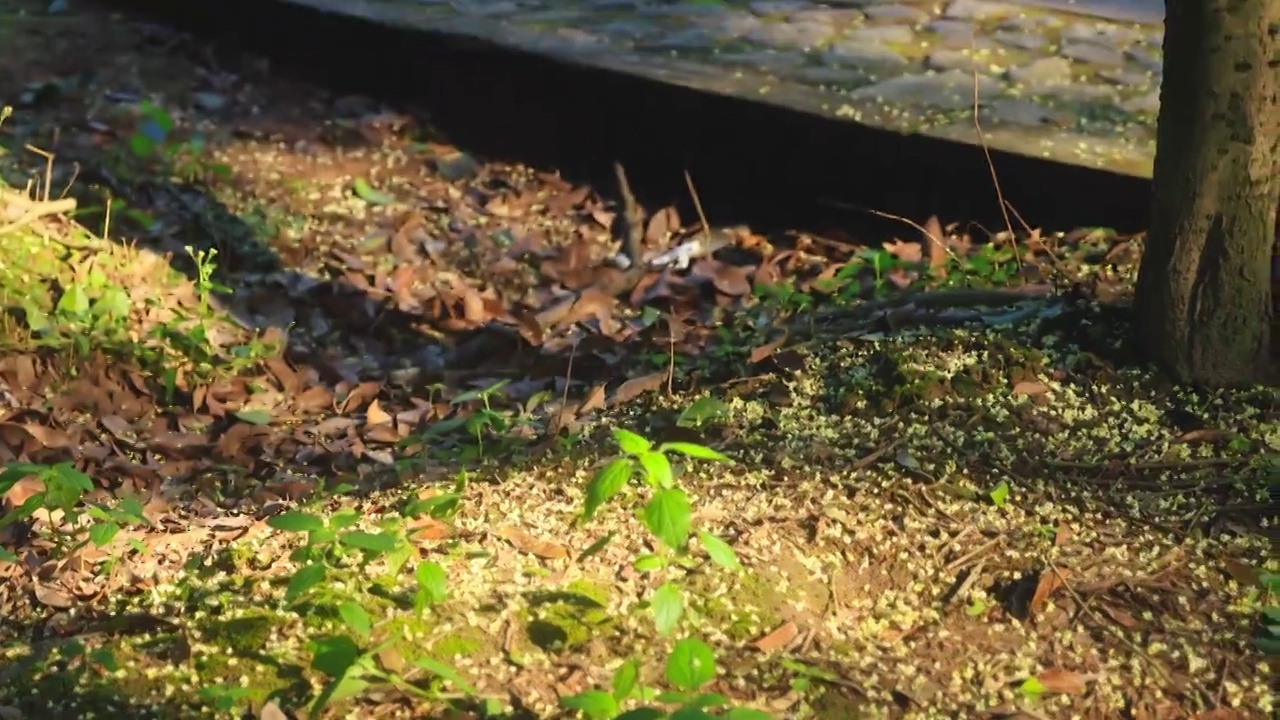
<point x="1076" y="87"/>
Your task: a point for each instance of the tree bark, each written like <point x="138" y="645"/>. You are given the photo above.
<point x="1202" y="305"/>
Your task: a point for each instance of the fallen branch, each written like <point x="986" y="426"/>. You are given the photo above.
<point x="18" y="210"/>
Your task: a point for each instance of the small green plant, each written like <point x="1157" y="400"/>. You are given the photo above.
<point x="153" y="141"/>
<point x="1267" y="638"/>
<point x="348" y="661"/>
<point x="62" y="489"/>
<point x="667" y="514"/>
<point x="485" y="421"/>
<point x="690" y="667"/>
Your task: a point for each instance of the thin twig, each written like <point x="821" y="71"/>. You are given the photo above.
<point x="697" y="205"/>
<point x="986" y="151"/>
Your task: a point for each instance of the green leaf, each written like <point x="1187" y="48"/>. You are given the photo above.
<point x="74" y="301"/>
<point x="1267" y="645"/>
<point x="306" y="577"/>
<point x="103" y="658"/>
<point x="398" y="558"/>
<point x="625" y="679"/>
<point x="631" y="443"/>
<point x="719" y="551"/>
<point x="64" y="486"/>
<point x="702" y="410"/>
<point x="999" y="494"/>
<point x="344" y="518"/>
<point x="36" y="318"/>
<point x="365" y="192"/>
<point x="596" y="546"/>
<point x="707" y="700"/>
<point x="657" y="469"/>
<point x="254" y="417"/>
<point x="356" y="618"/>
<point x="1270" y="582"/>
<point x="691" y="665"/>
<point x="372" y="542"/>
<point x="668" y="516"/>
<point x="594" y="704"/>
<point x="1032" y="688"/>
<point x="347" y="687"/>
<point x="295" y="521"/>
<point x="672" y="697"/>
<point x="445" y="672"/>
<point x="667" y="605"/>
<point x="334" y="655"/>
<point x="100" y="534"/>
<point x="606" y="483"/>
<point x="693" y="450"/>
<point x="130" y="510"/>
<point x="644" y="713"/>
<point x="433" y="584"/>
<point x="649" y="563"/>
<point x="437" y="506"/>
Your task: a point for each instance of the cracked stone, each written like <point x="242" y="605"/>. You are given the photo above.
<point x="1147" y="103"/>
<point x="787" y="35"/>
<point x="862" y="54"/>
<point x="949" y="90"/>
<point x="1127" y="78"/>
<point x="765" y="59"/>
<point x="887" y="34"/>
<point x="831" y="16"/>
<point x="1087" y="52"/>
<point x="1101" y="34"/>
<point x="1145" y="58"/>
<point x="777" y="7"/>
<point x="1040" y="73"/>
<point x="950" y="60"/>
<point x="980" y="10"/>
<point x="1025" y="113"/>
<point x="904" y="14"/>
<point x="1092" y="94"/>
<point x="1021" y="40"/>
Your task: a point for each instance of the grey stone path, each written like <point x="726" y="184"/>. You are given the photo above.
<point x="1073" y="88"/>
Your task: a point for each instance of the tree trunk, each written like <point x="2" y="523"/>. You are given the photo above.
<point x="1202" y="305"/>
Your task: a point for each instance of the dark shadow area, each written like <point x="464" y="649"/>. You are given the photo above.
<point x="753" y="163"/>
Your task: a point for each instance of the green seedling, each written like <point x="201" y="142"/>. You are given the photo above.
<point x="690" y="667"/>
<point x="667" y="514"/>
<point x="62" y="489"/>
<point x="349" y="665"/>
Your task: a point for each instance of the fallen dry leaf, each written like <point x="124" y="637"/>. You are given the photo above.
<point x="635" y="387"/>
<point x="1064" y="682"/>
<point x="595" y="400"/>
<point x="760" y="352"/>
<point x="1201" y="436"/>
<point x="935" y="241"/>
<point x="1050" y="581"/>
<point x="777" y="639"/>
<point x="1118" y="616"/>
<point x="1245" y="575"/>
<point x="375" y="415"/>
<point x="1029" y="388"/>
<point x="1063" y="535"/>
<point x="525" y="542"/>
